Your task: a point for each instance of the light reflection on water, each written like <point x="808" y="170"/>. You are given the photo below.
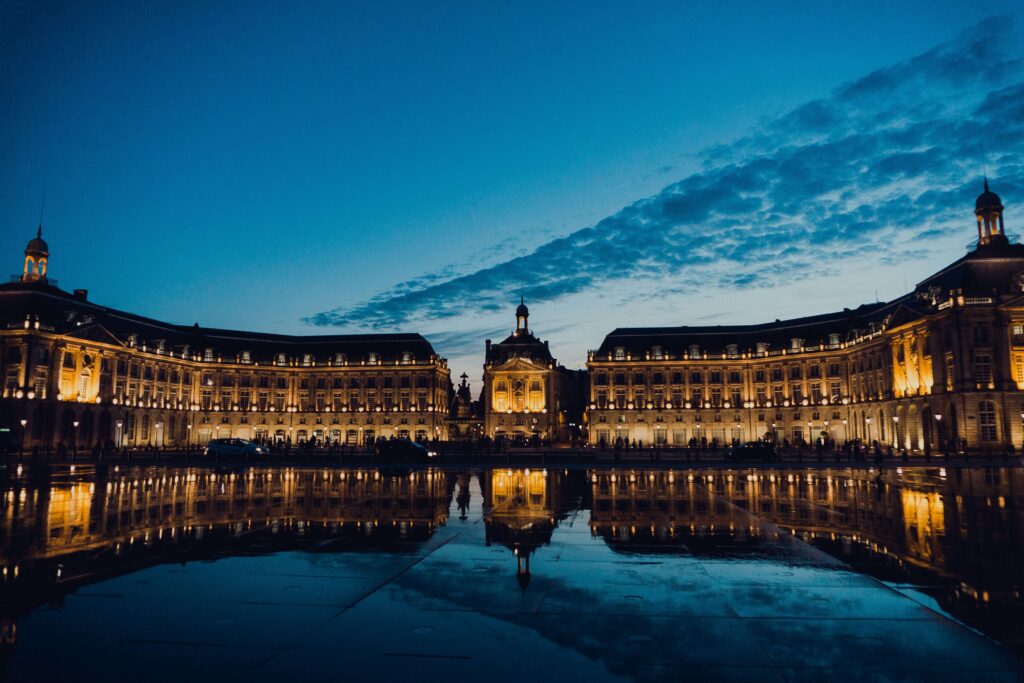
<point x="949" y="540"/>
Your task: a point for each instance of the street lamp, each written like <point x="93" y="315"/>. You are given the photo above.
<point x="119" y="433"/>
<point x="21" y="447"/>
<point x="74" y="439"/>
<point x="896" y="431"/>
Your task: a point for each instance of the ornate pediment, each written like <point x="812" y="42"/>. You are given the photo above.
<point x="520" y="364"/>
<point x="94" y="332"/>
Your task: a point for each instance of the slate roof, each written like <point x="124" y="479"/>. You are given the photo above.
<point x="67" y="313"/>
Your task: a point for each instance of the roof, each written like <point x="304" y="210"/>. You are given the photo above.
<point x="992" y="270"/>
<point x="814" y="330"/>
<point x="521" y="345"/>
<point x="67" y="313"/>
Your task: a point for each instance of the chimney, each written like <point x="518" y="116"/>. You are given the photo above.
<point x="81" y="294"/>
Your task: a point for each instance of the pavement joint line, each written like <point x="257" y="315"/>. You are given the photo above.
<point x="380" y="585"/>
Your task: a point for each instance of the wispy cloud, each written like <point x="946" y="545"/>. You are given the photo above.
<point x="883" y="165"/>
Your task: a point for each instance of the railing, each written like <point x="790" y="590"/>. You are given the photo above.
<point x="974" y="244"/>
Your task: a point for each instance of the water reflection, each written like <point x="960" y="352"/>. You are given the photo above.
<point x="953" y="537"/>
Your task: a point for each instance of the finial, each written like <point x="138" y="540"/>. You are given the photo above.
<point x="42" y="202"/>
<point x="522" y="301"/>
<point x="986" y="183"/>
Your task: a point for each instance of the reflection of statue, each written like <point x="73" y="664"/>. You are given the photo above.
<point x="462" y="498"/>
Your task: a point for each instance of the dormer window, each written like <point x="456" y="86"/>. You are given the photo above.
<point x="657" y="353"/>
<point x="795" y="344"/>
<point x="245" y="357"/>
<point x="133" y="340"/>
<point x="186" y="350"/>
<point x="833" y="341"/>
<point x="732" y="351"/>
<point x="694" y="353"/>
<point x="372" y="358"/>
<point x="620" y="353"/>
<point x="406" y="358"/>
<point x="339" y="359"/>
<point x="159" y="344"/>
<point x="762" y="348"/>
<point x="307" y="359"/>
<point x="208" y="355"/>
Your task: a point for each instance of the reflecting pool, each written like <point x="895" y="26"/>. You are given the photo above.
<point x="191" y="573"/>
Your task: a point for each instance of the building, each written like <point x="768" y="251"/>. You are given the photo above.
<point x="79" y="374"/>
<point x="526" y="392"/>
<point x="940" y="364"/>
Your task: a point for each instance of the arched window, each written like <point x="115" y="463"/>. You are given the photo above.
<point x="833" y="340"/>
<point x="281" y="359"/>
<point x="406" y="357"/>
<point x="762" y="348"/>
<point x="339" y="359"/>
<point x="208" y="355"/>
<point x="732" y="351"/>
<point x="657" y="353"/>
<point x="694" y="352"/>
<point x="246" y="357"/>
<point x="620" y="353"/>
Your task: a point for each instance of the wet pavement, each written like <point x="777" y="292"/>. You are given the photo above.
<point x="175" y="573"/>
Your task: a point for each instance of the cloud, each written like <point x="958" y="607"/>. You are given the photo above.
<point x="882" y="165"/>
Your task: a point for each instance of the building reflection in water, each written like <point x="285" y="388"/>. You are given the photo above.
<point x="957" y="533"/>
<point x="62" y="529"/>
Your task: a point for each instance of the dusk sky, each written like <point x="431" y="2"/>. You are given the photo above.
<point x="383" y="166"/>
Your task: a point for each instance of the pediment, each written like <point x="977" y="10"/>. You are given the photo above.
<point x="523" y="364"/>
<point x="94" y="332"/>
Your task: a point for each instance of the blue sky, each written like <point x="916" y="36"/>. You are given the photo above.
<point x="415" y="166"/>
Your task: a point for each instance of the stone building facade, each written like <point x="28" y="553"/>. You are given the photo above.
<point x="526" y="392"/>
<point x="940" y="364"/>
<point x="79" y="374"/>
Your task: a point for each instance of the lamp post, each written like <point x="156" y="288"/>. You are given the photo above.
<point x="896" y="431"/>
<point x="846" y="435"/>
<point x="867" y="420"/>
<point x="120" y="433"/>
<point x="188" y="438"/>
<point x="938" y="432"/>
<point x="74" y="440"/>
<point x="21" y="446"/>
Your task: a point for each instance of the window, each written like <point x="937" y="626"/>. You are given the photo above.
<point x="339" y="359"/>
<point x="406" y="358"/>
<point x="280" y="359"/>
<point x="762" y="348"/>
<point x="694" y="353"/>
<point x="796" y="344"/>
<point x="983" y="369"/>
<point x="620" y="353"/>
<point x="987" y="420"/>
<point x="833" y="340"/>
<point x="246" y="357"/>
<point x="732" y="351"/>
<point x="208" y="355"/>
<point x="657" y="353"/>
<point x="981" y="335"/>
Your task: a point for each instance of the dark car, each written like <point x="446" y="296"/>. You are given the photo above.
<point x="755" y="451"/>
<point x="402" y="450"/>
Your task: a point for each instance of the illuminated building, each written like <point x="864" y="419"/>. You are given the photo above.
<point x="943" y="362"/>
<point x="526" y="392"/>
<point x="80" y="374"/>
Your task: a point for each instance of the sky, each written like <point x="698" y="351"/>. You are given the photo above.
<point x="390" y="166"/>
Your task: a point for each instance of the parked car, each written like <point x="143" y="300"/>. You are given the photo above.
<point x="235" y="448"/>
<point x="402" y="450"/>
<point x="754" y="451"/>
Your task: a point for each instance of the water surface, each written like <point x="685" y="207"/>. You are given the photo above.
<point x="183" y="573"/>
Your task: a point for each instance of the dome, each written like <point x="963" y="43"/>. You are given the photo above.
<point x="988" y="200"/>
<point x="522" y="311"/>
<point x="37" y="245"/>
